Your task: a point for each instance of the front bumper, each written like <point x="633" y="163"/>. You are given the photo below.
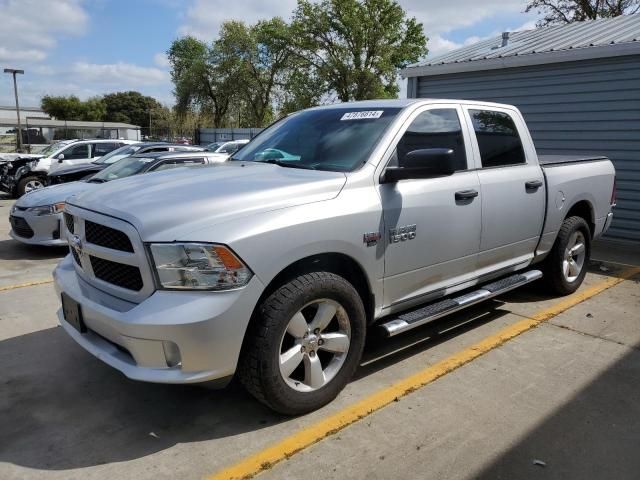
<point x="207" y="327"/>
<point x="46" y="229"/>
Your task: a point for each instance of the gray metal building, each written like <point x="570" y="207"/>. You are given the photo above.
<point x="577" y="85"/>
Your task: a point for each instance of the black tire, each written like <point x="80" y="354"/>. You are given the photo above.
<point x="259" y="369"/>
<point x="23" y="182"/>
<point x="554" y="276"/>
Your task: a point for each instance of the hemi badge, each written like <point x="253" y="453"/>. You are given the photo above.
<point x="371" y="238"/>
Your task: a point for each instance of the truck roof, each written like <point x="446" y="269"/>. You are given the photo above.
<point x="405" y="102"/>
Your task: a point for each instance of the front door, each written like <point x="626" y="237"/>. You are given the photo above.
<point x="432" y="234"/>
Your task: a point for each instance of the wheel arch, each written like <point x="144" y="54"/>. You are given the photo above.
<point x="584" y="209"/>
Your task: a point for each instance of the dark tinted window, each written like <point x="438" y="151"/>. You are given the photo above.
<point x="498" y="138"/>
<point x="335" y="139"/>
<point x="77" y="152"/>
<point x="438" y="128"/>
<point x="100" y="149"/>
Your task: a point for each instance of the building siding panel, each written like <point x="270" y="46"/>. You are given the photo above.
<point x="583" y="107"/>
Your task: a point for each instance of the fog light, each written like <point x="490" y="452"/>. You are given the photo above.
<point x="171" y="354"/>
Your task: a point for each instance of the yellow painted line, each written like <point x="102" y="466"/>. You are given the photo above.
<point x="284" y="449"/>
<point x="27" y="284"/>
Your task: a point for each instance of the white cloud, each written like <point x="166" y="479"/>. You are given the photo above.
<point x="161" y="60"/>
<point x="204" y="17"/>
<point x="29" y="28"/>
<point x="118" y="73"/>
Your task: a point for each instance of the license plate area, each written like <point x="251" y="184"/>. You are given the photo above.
<point x="72" y="313"/>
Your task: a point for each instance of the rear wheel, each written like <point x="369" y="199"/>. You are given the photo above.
<point x="305" y="345"/>
<point x="28" y="184"/>
<point x="566" y="265"/>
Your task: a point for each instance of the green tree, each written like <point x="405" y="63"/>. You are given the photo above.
<point x="72" y="108"/>
<point x="357" y="46"/>
<point x="129" y="107"/>
<point x="203" y="77"/>
<point x="568" y="11"/>
<point x="259" y="58"/>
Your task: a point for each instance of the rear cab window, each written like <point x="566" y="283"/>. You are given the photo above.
<point x="498" y="139"/>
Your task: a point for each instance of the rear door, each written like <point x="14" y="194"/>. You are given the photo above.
<point x="431" y="235"/>
<point x="512" y="187"/>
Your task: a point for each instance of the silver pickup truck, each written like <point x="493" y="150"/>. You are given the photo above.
<point x="333" y="221"/>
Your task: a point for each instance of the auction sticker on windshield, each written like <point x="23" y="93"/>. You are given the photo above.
<point x="362" y="115"/>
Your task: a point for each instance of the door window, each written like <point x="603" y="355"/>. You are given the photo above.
<point x="436" y="128"/>
<point x="76" y="152"/>
<point x="100" y="149"/>
<point x="498" y="138"/>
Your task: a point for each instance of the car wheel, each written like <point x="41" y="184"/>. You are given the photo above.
<point x="566" y="265"/>
<point x="27" y="184"/>
<point x="305" y="343"/>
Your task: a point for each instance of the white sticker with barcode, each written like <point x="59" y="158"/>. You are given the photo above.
<point x="362" y="115"/>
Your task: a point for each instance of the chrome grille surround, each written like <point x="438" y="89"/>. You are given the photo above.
<point x="85" y="250"/>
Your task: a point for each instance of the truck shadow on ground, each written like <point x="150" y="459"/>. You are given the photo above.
<point x="64" y="409"/>
<point x="14" y="250"/>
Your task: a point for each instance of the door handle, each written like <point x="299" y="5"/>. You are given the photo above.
<point x="466" y="194"/>
<point x="533" y="184"/>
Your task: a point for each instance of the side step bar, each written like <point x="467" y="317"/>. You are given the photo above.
<point x="414" y="318"/>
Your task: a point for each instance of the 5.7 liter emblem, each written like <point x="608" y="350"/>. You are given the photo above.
<point x="402" y="234"/>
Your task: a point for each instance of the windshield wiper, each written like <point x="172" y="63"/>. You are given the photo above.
<point x="284" y="163"/>
<point x="96" y="180"/>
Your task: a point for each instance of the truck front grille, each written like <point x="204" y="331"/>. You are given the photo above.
<point x="119" y="274"/>
<point x="20" y="227"/>
<point x="107" y="237"/>
<point x="68" y="220"/>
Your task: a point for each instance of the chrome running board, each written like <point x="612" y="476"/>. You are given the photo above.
<point x="414" y="318"/>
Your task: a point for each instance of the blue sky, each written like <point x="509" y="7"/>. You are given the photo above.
<point x="92" y="47"/>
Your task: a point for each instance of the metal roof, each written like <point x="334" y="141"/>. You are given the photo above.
<point x="580" y="40"/>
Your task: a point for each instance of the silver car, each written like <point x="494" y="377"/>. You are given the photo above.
<point x="36" y="216"/>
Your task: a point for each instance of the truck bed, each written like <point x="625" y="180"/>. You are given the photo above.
<point x="552" y="160"/>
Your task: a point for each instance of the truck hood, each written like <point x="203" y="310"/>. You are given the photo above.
<point x="53" y="194"/>
<point x="169" y="205"/>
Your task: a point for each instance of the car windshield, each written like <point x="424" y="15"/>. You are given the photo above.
<point x="333" y="139"/>
<point x="124" y="168"/>
<point x="118" y="154"/>
<point x="54" y="147"/>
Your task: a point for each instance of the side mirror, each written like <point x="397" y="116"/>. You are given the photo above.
<point x="423" y="163"/>
<point x="60" y="157"/>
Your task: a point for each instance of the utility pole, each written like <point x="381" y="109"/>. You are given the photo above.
<point x="14" y="72"/>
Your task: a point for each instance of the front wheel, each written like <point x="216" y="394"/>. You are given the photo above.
<point x="566" y="265"/>
<point x="27" y="184"/>
<point x="305" y="344"/>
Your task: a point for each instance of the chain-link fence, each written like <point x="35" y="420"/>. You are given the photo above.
<point x="171" y="135"/>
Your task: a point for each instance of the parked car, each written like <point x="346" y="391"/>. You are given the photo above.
<point x="36" y="217"/>
<point x="25" y="174"/>
<point x="227" y="149"/>
<point x="78" y="172"/>
<point x="212" y="147"/>
<point x="395" y="213"/>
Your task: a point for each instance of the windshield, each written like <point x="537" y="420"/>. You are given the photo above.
<point x="334" y="139"/>
<point x="53" y="148"/>
<point x="124" y="168"/>
<point x="118" y="154"/>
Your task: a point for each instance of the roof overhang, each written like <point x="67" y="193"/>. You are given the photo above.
<point x="529" y="59"/>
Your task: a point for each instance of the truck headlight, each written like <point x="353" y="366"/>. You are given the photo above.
<point x="198" y="266"/>
<point x="47" y="209"/>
